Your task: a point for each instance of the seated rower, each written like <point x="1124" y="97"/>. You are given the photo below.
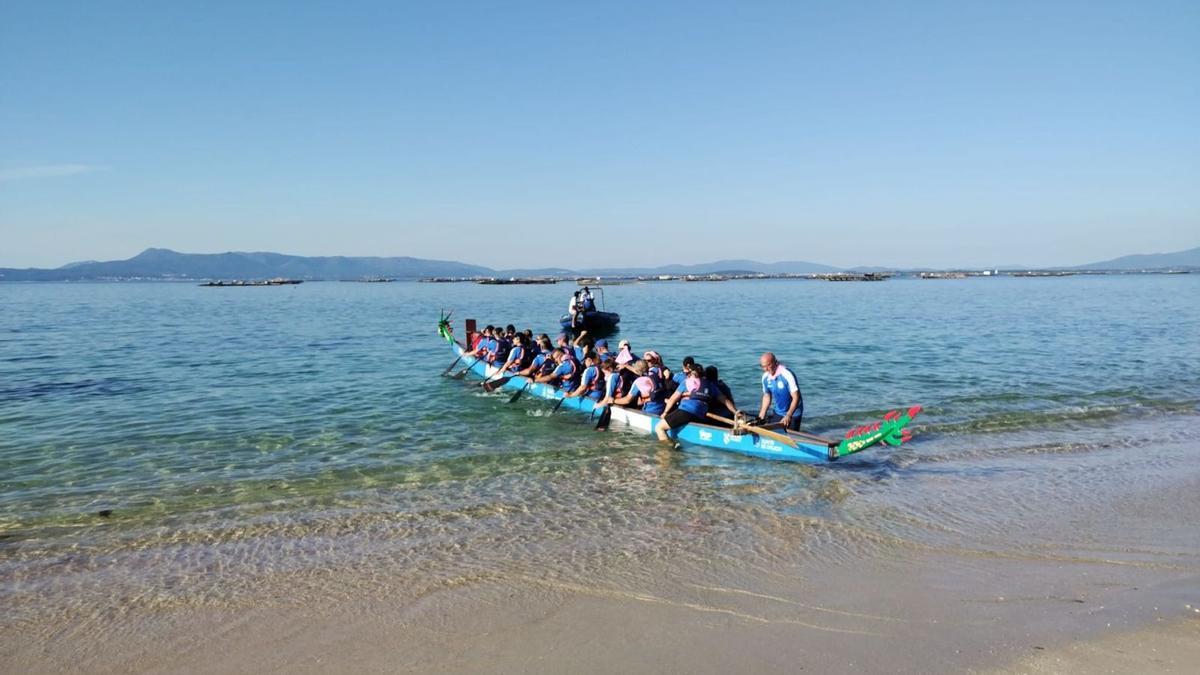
<point x="516" y="356"/>
<point x="581" y="345"/>
<point x="694" y="397"/>
<point x="591" y="383"/>
<point x="713" y="376"/>
<point x="613" y="388"/>
<point x="566" y="372"/>
<point x="500" y="346"/>
<point x="489" y="346"/>
<point x="542" y="364"/>
<point x="602" y="350"/>
<point x="624" y="353"/>
<point x="679" y="378"/>
<point x="479" y="340"/>
<point x="645" y="392"/>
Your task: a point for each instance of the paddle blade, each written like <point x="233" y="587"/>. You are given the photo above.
<point x="496" y="384"/>
<point x="514" y="397"/>
<point x="451" y="366"/>
<point x="605" y="418"/>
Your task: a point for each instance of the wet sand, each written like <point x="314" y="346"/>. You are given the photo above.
<point x="915" y="615"/>
<point x="1172" y="647"/>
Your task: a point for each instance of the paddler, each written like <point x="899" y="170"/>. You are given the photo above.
<point x="714" y="378"/>
<point x="591" y="382"/>
<point x="516" y="356"/>
<point x="613" y="388"/>
<point x="694" y="396"/>
<point x="781" y="394"/>
<point x="624" y="353"/>
<point x="645" y="392"/>
<point x="566" y="372"/>
<point x="543" y="363"/>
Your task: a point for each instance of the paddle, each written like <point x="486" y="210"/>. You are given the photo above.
<point x="801" y="434"/>
<point x="514" y="397"/>
<point x="558" y="405"/>
<point x="447" y="371"/>
<point x="605" y="417"/>
<point x="757" y="430"/>
<point x="491" y="380"/>
<point x="463" y="373"/>
<point x="493" y="385"/>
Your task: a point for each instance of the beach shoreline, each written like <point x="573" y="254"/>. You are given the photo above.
<point x="909" y="616"/>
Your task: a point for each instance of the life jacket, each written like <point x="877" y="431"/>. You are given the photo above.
<point x="698" y="400"/>
<point x="565" y="381"/>
<point x="548" y="365"/>
<point x="503" y="346"/>
<point x="527" y="356"/>
<point x="517" y="364"/>
<point x="622" y="385"/>
<point x="597" y="384"/>
<point x="657" y="394"/>
<point x="702" y="393"/>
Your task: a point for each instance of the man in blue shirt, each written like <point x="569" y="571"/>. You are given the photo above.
<point x="781" y="394"/>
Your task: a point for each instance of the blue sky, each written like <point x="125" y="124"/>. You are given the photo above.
<point x="584" y="134"/>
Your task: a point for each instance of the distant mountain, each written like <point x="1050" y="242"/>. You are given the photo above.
<point x="161" y="263"/>
<point x="1150" y="261"/>
<point x="164" y="264"/>
<point x="719" y="266"/>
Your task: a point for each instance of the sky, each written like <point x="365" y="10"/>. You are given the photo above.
<point x="601" y="134"/>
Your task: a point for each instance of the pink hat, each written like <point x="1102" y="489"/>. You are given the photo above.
<point x="652" y="356"/>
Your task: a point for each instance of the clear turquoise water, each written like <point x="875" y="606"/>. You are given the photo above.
<point x="288" y="432"/>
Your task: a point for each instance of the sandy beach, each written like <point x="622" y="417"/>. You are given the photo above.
<point x="919" y="615"/>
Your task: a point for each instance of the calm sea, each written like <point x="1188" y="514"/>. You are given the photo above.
<point x="166" y="444"/>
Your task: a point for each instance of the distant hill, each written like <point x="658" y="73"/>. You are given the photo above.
<point x="1149" y="261"/>
<point x="161" y="263"/>
<point x="165" y="264"/>
<point x="719" y="266"/>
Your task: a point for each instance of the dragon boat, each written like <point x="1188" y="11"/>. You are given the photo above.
<point x="753" y="441"/>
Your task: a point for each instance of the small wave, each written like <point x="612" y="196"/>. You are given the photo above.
<point x="89" y="387"/>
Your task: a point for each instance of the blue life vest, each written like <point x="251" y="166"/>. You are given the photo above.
<point x="697" y="402"/>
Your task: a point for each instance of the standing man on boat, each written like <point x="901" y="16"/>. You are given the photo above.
<point x="781" y="394"/>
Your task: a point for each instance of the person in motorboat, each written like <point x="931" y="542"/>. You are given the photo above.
<point x="781" y="395"/>
<point x="588" y="300"/>
<point x="693" y="397"/>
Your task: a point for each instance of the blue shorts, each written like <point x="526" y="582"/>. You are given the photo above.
<point x="773" y="417"/>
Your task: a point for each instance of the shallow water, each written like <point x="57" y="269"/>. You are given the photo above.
<point x="166" y="444"/>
